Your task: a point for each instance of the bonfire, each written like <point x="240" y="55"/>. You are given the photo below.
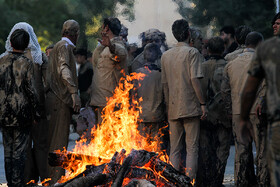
<point x="117" y="154"/>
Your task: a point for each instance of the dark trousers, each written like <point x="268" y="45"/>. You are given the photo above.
<point x="37" y="153"/>
<point x="15" y="141"/>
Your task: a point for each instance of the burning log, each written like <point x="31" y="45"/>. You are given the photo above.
<point x="139" y="164"/>
<point x="170" y="173"/>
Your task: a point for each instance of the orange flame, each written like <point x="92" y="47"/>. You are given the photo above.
<point x="117" y="131"/>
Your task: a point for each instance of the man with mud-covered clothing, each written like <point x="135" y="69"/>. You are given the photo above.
<point x="62" y="97"/>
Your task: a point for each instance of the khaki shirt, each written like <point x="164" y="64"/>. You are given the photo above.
<point x="233" y="55"/>
<point x="153" y="108"/>
<point x="62" y="72"/>
<point x="235" y="76"/>
<point x="179" y="65"/>
<point x="107" y="72"/>
<point x="266" y="64"/>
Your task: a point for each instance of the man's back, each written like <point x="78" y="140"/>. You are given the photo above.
<point x="152" y="95"/>
<point x="179" y="65"/>
<point x="17" y="96"/>
<point x="237" y="74"/>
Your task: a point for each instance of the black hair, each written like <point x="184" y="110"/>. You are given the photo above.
<point x="19" y="39"/>
<point x="253" y="39"/>
<point x="82" y="52"/>
<point x="277" y="16"/>
<point x="216" y="45"/>
<point x="154" y="48"/>
<point x="180" y="30"/>
<point x="114" y="25"/>
<point x="241" y="32"/>
<point x="228" y="30"/>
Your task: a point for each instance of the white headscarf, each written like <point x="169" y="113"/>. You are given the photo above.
<point x="33" y="45"/>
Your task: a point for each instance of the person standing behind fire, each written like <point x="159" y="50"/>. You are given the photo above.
<point x="149" y="36"/>
<point x="85" y="74"/>
<point x="181" y="71"/>
<point x="62" y="97"/>
<point x="19" y="105"/>
<point x="153" y="107"/>
<point x="109" y="65"/>
<point x="214" y="141"/>
<point x="235" y="75"/>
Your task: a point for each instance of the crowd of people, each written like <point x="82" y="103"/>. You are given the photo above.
<point x="208" y="91"/>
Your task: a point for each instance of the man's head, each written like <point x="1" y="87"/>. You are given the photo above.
<point x="180" y="30"/>
<point x="124" y="33"/>
<point x="71" y="30"/>
<point x="81" y="56"/>
<point x="276" y="25"/>
<point x="111" y="26"/>
<point x="49" y="49"/>
<point x="151" y="52"/>
<point x="152" y="36"/>
<point x="240" y="34"/>
<point x="216" y="46"/>
<point x="227" y="33"/>
<point x="196" y="39"/>
<point x="253" y="39"/>
<point x="19" y="39"/>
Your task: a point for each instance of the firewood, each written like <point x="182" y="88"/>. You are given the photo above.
<point x="170" y="173"/>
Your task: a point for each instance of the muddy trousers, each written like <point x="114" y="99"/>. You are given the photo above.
<point x="274" y="153"/>
<point x="244" y="172"/>
<point x="15" y="141"/>
<point x="214" y="147"/>
<point x="59" y="115"/>
<point x="37" y="153"/>
<point x="191" y="126"/>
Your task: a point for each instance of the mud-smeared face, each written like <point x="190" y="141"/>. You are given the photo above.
<point x="276" y="28"/>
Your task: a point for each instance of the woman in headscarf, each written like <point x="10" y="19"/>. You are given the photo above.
<point x="36" y="161"/>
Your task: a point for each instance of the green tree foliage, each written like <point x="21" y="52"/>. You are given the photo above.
<point x="254" y="13"/>
<point x="47" y="17"/>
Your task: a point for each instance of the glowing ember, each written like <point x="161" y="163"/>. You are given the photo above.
<point x="117" y="131"/>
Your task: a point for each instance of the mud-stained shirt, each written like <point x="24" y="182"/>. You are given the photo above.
<point x="235" y="76"/>
<point x="179" y="65"/>
<point x="266" y="64"/>
<point x="153" y="108"/>
<point x="62" y="75"/>
<point x="211" y="88"/>
<point x="18" y="98"/>
<point x="139" y="62"/>
<point x="108" y="68"/>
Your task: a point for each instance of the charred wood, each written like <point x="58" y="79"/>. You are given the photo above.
<point x="170" y="173"/>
